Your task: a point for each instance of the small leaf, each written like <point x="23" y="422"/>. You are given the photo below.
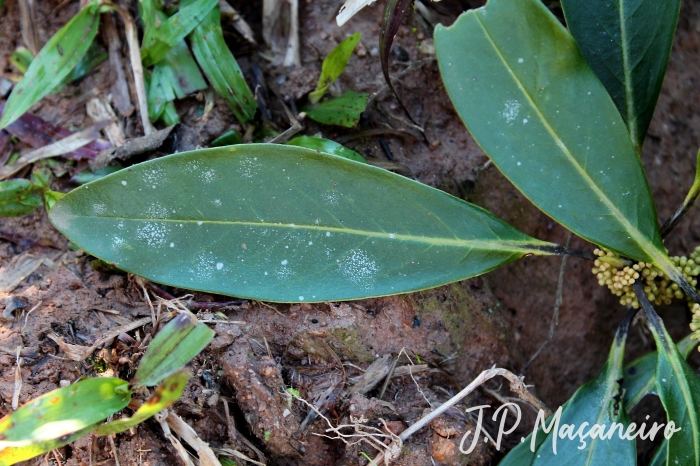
<point x="333" y="66"/>
<point x="342" y="111"/>
<point x="595" y="403"/>
<point x="522" y="88"/>
<point x="169" y="33"/>
<point x="51" y="197"/>
<point x="88" y="175"/>
<point x="174" y="346"/>
<point x="628" y="44"/>
<point x="19" y="197"/>
<point x="21" y="58"/>
<point x="60" y="417"/>
<point x="166" y="394"/>
<point x="181" y="71"/>
<point x="640" y="374"/>
<point x="53" y="63"/>
<point x="219" y="65"/>
<point x="678" y="387"/>
<point x="688" y="203"/>
<point x="327" y="146"/>
<point x="284" y="223"/>
<point x="229" y="138"/>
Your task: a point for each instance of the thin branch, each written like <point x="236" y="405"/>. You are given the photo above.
<point x="557" y="306"/>
<point x="687" y="204"/>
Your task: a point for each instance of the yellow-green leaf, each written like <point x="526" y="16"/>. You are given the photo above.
<point x="333" y="66"/>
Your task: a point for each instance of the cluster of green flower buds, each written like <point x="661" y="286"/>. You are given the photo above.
<point x="619" y="275"/>
<point x="695" y="323"/>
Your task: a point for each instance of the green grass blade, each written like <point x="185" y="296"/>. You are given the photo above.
<point x="60" y="417"/>
<point x="341" y="111"/>
<point x="173" y="347"/>
<point x="220" y="67"/>
<point x="327" y="146"/>
<point x="173" y="30"/>
<point x="628" y="45"/>
<point x="333" y="66"/>
<point x="284" y="223"/>
<point x="53" y="63"/>
<point x="594" y="403"/>
<point x="678" y="388"/>
<point x="182" y="72"/>
<point x="524" y="91"/>
<point x="19" y="197"/>
<point x="166" y="394"/>
<point x="640" y="374"/>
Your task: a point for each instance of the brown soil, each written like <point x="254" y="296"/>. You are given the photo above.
<point x="458" y="330"/>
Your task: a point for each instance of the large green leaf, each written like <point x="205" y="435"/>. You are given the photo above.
<point x="219" y="65"/>
<point x="166" y="394"/>
<point x="60" y="417"/>
<point x="640" y="374"/>
<point x="525" y="92"/>
<point x="174" y="346"/>
<point x="284" y="223"/>
<point x="678" y="387"/>
<point x="595" y="403"/>
<point x="53" y="63"/>
<point x="628" y="44"/>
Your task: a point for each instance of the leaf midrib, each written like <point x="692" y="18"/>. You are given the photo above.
<point x="641" y="241"/>
<point x="629" y="92"/>
<point x="535" y="246"/>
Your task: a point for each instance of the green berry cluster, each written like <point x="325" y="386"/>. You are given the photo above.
<point x="695" y="323"/>
<point x="619" y="275"/>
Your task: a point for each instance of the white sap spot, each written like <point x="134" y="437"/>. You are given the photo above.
<point x="524" y="120"/>
<point x="117" y="242"/>
<point x="519" y="164"/>
<point x="328" y="233"/>
<point x="156" y="210"/>
<point x="208" y="175"/>
<point x="219" y="265"/>
<point x="317" y="221"/>
<point x="664" y="380"/>
<point x="589" y="93"/>
<point x="154" y="176"/>
<point x="284" y="262"/>
<point x="192" y="166"/>
<point x="99" y="208"/>
<point x="217" y="202"/>
<point x="510" y="112"/>
<point x="203" y="266"/>
<point x="391" y="235"/>
<point x="358" y="268"/>
<point x="172" y="245"/>
<point x="301" y="298"/>
<point x="331" y="198"/>
<point x="560" y="206"/>
<point x="123" y="183"/>
<point x="265" y="273"/>
<point x="152" y="233"/>
<point x="520" y="60"/>
<point x="120" y="225"/>
<point x="199" y="223"/>
<point x="310" y="243"/>
<point x="248" y="168"/>
<point x="292" y="225"/>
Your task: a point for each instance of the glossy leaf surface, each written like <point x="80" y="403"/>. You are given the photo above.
<point x="284" y="223"/>
<point x="333" y="66"/>
<point x="60" y="417"/>
<point x="628" y="44"/>
<point x="593" y="403"/>
<point x="165" y="395"/>
<point x="53" y="63"/>
<point x="531" y="101"/>
<point x="640" y="374"/>
<point x="219" y="65"/>
<point x="341" y="111"/>
<point x="327" y="146"/>
<point x="174" y="346"/>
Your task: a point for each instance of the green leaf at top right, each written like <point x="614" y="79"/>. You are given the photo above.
<point x="521" y="86"/>
<point x="628" y="44"/>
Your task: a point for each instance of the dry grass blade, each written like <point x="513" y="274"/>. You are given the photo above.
<point x="239" y="24"/>
<point x="18" y="380"/>
<point x="187" y="434"/>
<point x="67" y="144"/>
<point x="27" y="18"/>
<point x="120" y="88"/>
<point x="350" y="9"/>
<point x="100" y="110"/>
<point x="280" y="16"/>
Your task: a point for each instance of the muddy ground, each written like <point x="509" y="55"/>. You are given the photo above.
<point x="451" y="333"/>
